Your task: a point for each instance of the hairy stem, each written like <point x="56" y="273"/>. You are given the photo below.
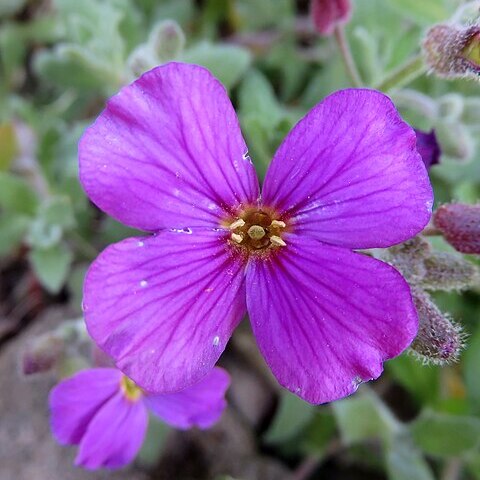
<point x="406" y="73"/>
<point x="344" y="47"/>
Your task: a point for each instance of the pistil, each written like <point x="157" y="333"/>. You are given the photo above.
<point x="256" y="232"/>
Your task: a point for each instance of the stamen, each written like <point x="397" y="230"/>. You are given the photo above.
<point x="277" y="241"/>
<point x="236" y="237"/>
<point x="278" y="224"/>
<point x="237" y="224"/>
<point x="256" y="232"/>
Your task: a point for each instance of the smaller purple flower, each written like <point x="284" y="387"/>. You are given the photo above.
<point x="428" y="147"/>
<point x="105" y="413"/>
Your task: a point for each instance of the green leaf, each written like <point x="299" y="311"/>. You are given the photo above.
<point x="16" y="195"/>
<point x="445" y="435"/>
<point x="256" y="97"/>
<point x="319" y="433"/>
<point x="473" y="465"/>
<point x="93" y="53"/>
<point x="12" y="230"/>
<point x="227" y="62"/>
<point x="292" y="415"/>
<point x="254" y="15"/>
<point x="424" y="12"/>
<point x="75" y="282"/>
<point x="58" y="210"/>
<point x="364" y="417"/>
<point x="75" y="66"/>
<point x="471" y="361"/>
<point x="51" y="266"/>
<point x="422" y="381"/>
<point x="8" y="145"/>
<point x="182" y="11"/>
<point x="43" y="235"/>
<point x="405" y="462"/>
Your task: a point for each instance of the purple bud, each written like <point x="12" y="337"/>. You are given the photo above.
<point x="460" y="226"/>
<point x="43" y="353"/>
<point x="439" y="339"/>
<point x="428" y="147"/>
<point x="453" y="52"/>
<point x="327" y="14"/>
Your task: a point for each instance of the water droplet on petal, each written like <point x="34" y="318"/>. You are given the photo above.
<point x="216" y="341"/>
<point x="143" y="283"/>
<point x="357" y="381"/>
<point x="140" y="244"/>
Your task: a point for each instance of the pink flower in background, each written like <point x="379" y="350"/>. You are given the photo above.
<point x="105" y="413"/>
<point x="327" y="14"/>
<point x="167" y="156"/>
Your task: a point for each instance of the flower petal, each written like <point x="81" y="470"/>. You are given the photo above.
<point x="164" y="307"/>
<point x="428" y="147"/>
<point x="200" y="405"/>
<point x="349" y="174"/>
<point x="76" y="400"/>
<point x="115" y="435"/>
<point x="326" y="318"/>
<point x="167" y="152"/>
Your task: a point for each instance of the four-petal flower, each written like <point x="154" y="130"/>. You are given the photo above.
<point x="167" y="156"/>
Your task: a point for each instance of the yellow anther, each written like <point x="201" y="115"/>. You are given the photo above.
<point x="256" y="232"/>
<point x="237" y="224"/>
<point x="278" y="224"/>
<point x="236" y="237"/>
<point x="277" y="241"/>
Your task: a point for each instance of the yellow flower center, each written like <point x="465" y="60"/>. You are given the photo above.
<point x="130" y="389"/>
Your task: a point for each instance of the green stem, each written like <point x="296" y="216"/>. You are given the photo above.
<point x="452" y="469"/>
<point x="82" y="245"/>
<point x="406" y="73"/>
<point x="344" y="47"/>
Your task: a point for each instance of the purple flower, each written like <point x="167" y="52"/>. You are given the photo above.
<point x="105" y="413"/>
<point x="428" y="147"/>
<point x="167" y="156"/>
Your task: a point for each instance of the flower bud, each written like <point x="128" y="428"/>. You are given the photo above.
<point x="428" y="147"/>
<point x="439" y="339"/>
<point x="448" y="271"/>
<point x="43" y="353"/>
<point x="453" y="52"/>
<point x="408" y="258"/>
<point x="327" y="14"/>
<point x="460" y="226"/>
<point x="167" y="40"/>
<point x="450" y="107"/>
<point x="455" y="140"/>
